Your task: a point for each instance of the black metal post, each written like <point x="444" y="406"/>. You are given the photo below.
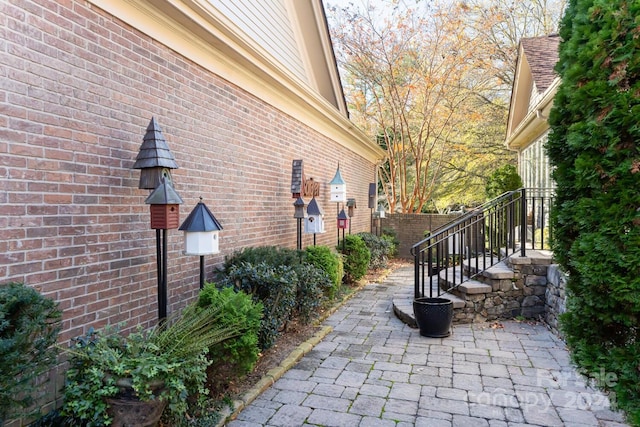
<point x="523" y="221"/>
<point x="159" y="269"/>
<point x="201" y="271"/>
<point x="343" y="239"/>
<point x="314" y="239"/>
<point x="338" y="214"/>
<point x="162" y="275"/>
<point x="299" y="234"/>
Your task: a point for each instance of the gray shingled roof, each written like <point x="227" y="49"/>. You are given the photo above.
<point x="542" y="54"/>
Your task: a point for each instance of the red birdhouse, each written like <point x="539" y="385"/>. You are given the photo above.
<point x="165" y="207"/>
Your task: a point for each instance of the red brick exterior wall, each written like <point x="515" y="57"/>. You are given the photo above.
<point x="77" y="92"/>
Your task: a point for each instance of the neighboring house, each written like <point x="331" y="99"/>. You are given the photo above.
<point x="240" y="89"/>
<point x="534" y="86"/>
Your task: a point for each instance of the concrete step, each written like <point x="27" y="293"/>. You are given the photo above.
<point x="464" y="284"/>
<point x="496" y="272"/>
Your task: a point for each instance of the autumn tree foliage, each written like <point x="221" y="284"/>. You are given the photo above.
<point x="430" y="82"/>
<point x="594" y="150"/>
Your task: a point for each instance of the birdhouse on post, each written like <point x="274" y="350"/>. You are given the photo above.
<point x="201" y="230"/>
<point x="297" y="179"/>
<point x="343" y="220"/>
<point x="165" y="207"/>
<point x="351" y="206"/>
<point x="154" y="160"/>
<point x="314" y="222"/>
<point x="338" y="187"/>
<point x="372" y="195"/>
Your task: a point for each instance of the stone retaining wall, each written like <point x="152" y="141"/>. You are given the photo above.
<point x="518" y="290"/>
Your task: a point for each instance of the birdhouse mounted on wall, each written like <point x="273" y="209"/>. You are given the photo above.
<point x="343" y="220"/>
<point x="338" y="187"/>
<point x="201" y="230"/>
<point x="154" y="160"/>
<point x="314" y="222"/>
<point x="165" y="207"/>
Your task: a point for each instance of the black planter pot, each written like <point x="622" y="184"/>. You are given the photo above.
<point x="433" y="316"/>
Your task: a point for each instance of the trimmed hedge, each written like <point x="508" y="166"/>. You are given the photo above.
<point x="593" y="148"/>
<point x="356" y="257"/>
<point x="236" y="356"/>
<point x="330" y="262"/>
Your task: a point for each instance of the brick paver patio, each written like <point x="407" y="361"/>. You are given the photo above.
<point x="373" y="370"/>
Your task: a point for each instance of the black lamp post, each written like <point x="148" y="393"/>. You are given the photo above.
<point x="201" y="230"/>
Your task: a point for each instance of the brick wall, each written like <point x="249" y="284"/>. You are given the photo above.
<point x="78" y="89"/>
<point x="410" y="228"/>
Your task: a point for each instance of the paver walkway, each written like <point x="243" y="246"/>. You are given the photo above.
<point x="373" y="370"/>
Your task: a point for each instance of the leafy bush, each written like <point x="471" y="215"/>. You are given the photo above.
<point x="330" y="262"/>
<point x="312" y="284"/>
<point x="379" y="249"/>
<point x="275" y="287"/>
<point x="391" y="235"/>
<point x="594" y="151"/>
<point x="168" y="362"/>
<point x="29" y="327"/>
<point x="270" y="255"/>
<point x="236" y="356"/>
<point x="356" y="257"/>
<point x="503" y="179"/>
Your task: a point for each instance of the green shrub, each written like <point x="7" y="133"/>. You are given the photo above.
<point x="330" y="262"/>
<point x="29" y="327"/>
<point x="593" y="148"/>
<point x="270" y="255"/>
<point x="172" y="355"/>
<point x="312" y="285"/>
<point x="356" y="257"/>
<point x="274" y="287"/>
<point x="503" y="179"/>
<point x="391" y="235"/>
<point x="379" y="248"/>
<point x="236" y="356"/>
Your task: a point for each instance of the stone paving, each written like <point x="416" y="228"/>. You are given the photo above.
<point x="373" y="370"/>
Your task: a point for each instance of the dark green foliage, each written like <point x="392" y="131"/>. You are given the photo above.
<point x="167" y="362"/>
<point x="270" y="255"/>
<point x="29" y="327"/>
<point x="236" y="356"/>
<point x="330" y="262"/>
<point x="392" y="236"/>
<point x="594" y="150"/>
<point x="356" y="257"/>
<point x="503" y="179"/>
<point x="274" y="287"/>
<point x="379" y="248"/>
<point x="313" y="282"/>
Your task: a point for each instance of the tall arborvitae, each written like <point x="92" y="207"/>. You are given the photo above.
<point x="594" y="147"/>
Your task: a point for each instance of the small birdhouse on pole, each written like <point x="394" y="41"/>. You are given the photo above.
<point x="201" y="230"/>
<point x="314" y="222"/>
<point x="338" y="187"/>
<point x="165" y="207"/>
<point x="154" y="159"/>
<point x="343" y="220"/>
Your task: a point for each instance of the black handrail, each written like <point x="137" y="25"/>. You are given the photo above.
<point x="482" y="238"/>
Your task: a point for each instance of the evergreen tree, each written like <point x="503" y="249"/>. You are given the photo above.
<point x="594" y="149"/>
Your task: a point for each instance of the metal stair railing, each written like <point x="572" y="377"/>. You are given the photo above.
<point x="493" y="231"/>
